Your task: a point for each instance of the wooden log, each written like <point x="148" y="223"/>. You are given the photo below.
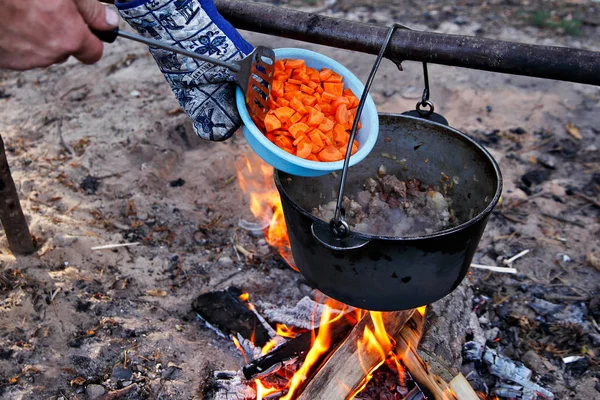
<point x="462" y="388"/>
<point x="11" y="214"/>
<point x="407" y="342"/>
<point x="346" y="369"/>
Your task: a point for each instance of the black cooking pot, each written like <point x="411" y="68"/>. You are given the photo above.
<point x="387" y="273"/>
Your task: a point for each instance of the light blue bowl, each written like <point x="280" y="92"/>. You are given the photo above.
<point x="283" y="161"/>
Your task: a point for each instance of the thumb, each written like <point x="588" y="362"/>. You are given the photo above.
<point x="96" y="15"/>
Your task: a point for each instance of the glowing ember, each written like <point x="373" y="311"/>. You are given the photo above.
<point x="255" y="178"/>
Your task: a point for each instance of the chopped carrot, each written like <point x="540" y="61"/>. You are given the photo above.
<point x="277" y="88"/>
<point x="283" y="141"/>
<point x="290" y="95"/>
<point x="334" y="88"/>
<point x="325" y="73"/>
<point x="272" y="123"/>
<point x="290" y="87"/>
<point x="297" y="105"/>
<point x="306" y="89"/>
<point x="295" y="118"/>
<point x="308" y="100"/>
<point x="326" y="125"/>
<point x="329" y="96"/>
<point x="340" y="135"/>
<point x="304" y="78"/>
<point x="315" y="117"/>
<point x="336" y="78"/>
<point x="329" y="154"/>
<point x="341" y="115"/>
<point x="294" y="63"/>
<point x="283" y="102"/>
<point x="284" y="113"/>
<point x="298" y="129"/>
<point x="311" y="112"/>
<point x="304" y="149"/>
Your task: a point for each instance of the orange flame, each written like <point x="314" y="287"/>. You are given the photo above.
<point x="240" y="348"/>
<point x="268" y="347"/>
<point x="262" y="391"/>
<point x="255" y="178"/>
<point x="321" y="344"/>
<point x="244" y="296"/>
<point x="286" y="331"/>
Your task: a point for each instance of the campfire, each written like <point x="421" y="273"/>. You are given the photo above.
<point x="343" y="352"/>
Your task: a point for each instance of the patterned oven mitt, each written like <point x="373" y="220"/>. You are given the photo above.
<point x="205" y="91"/>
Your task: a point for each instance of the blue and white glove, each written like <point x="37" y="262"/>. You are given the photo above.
<point x="205" y="91"/>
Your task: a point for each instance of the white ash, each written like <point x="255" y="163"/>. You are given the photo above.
<point x="390" y="207"/>
<point x="232" y="386"/>
<point x="522" y="387"/>
<point x="302" y="315"/>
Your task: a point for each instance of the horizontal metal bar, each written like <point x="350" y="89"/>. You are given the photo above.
<point x="551" y="62"/>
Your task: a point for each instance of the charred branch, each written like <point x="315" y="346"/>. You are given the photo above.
<point x="11" y="214"/>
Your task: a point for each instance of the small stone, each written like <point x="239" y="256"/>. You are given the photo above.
<point x="389" y="92"/>
<point x="492" y="334"/>
<point x="121" y="374"/>
<point x="532" y="360"/>
<point x="518" y="131"/>
<point x="135" y="93"/>
<point x="547" y="161"/>
<point x="177" y="183"/>
<point x="64" y="240"/>
<point x="93" y="391"/>
<point x="460" y="21"/>
<point x="535" y="177"/>
<point x="263" y="250"/>
<point x="225" y="262"/>
<point x="90" y="184"/>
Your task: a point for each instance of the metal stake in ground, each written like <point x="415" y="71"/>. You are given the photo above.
<point x="11" y="214"/>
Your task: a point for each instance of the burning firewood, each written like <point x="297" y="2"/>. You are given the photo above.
<point x="362" y="351"/>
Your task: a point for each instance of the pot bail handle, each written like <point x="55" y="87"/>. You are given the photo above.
<point x="338" y="228"/>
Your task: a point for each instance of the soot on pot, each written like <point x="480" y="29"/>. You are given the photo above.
<point x="388" y="206"/>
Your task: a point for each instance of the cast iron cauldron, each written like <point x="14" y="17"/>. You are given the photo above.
<point x="394" y="273"/>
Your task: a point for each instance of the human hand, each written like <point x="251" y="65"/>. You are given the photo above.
<point x="39" y="33"/>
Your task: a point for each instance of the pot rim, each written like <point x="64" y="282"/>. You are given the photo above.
<point x="445" y="232"/>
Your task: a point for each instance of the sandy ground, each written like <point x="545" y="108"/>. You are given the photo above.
<point x="69" y="313"/>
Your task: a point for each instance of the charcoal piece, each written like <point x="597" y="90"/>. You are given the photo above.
<point x="90" y="184"/>
<point x="518" y="131"/>
<point x="535" y="177"/>
<point x="177" y="183"/>
<point x="225" y="311"/>
<point x="292" y="349"/>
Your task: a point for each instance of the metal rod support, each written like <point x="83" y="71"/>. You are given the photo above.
<point x="550" y="62"/>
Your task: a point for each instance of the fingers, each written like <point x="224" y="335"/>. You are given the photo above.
<point x="96" y="15"/>
<point x="99" y="17"/>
